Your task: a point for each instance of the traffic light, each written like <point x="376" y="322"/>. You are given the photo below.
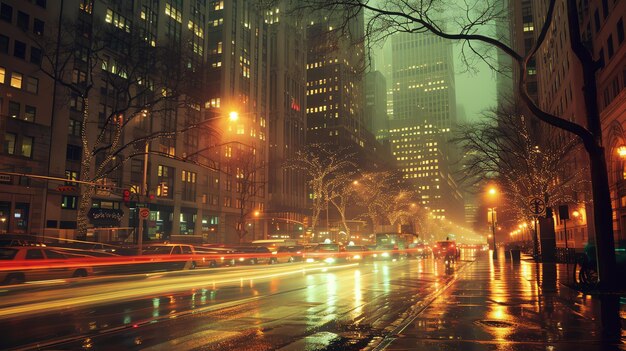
<point x="126" y="196"/>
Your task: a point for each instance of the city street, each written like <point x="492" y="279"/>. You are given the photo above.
<point x="290" y="306"/>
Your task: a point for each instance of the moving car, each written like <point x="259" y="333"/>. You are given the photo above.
<point x="28" y="263"/>
<point x="358" y="252"/>
<point x="290" y="253"/>
<point x="254" y="255"/>
<point x="441" y="249"/>
<point x="327" y="252"/>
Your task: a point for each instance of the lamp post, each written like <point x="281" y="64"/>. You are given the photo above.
<point x="492" y="193"/>
<point x="3" y="220"/>
<point x="232" y="116"/>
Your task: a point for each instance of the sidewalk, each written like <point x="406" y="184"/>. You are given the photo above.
<point x="499" y="305"/>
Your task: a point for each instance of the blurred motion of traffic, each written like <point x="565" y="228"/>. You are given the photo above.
<point x="312" y="175"/>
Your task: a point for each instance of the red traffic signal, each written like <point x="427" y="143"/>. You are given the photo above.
<point x="126" y="195"/>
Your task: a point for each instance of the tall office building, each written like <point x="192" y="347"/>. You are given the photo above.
<point x="335" y="62"/>
<point x="376" y="118"/>
<point x="287" y="193"/>
<point x="424" y="114"/>
<point x="423" y="79"/>
<point x="420" y="149"/>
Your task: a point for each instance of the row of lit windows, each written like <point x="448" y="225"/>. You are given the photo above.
<point x="196" y="29"/>
<point x="320" y="64"/>
<point x="436" y="88"/>
<point x="174" y="13"/>
<point x="17" y="81"/>
<point x="117" y="20"/>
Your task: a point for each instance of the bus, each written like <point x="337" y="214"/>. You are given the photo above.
<point x="393" y="245"/>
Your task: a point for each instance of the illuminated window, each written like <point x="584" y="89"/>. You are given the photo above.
<point x="173" y="12"/>
<point x="2" y="74"/>
<point x="16" y="80"/>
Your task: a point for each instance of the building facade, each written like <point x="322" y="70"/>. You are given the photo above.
<point x="193" y="180"/>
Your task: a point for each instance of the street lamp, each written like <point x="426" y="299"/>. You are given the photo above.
<point x="492" y="193"/>
<point x="3" y="220"/>
<point x="233" y="116"/>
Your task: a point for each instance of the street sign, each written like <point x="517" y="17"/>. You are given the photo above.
<point x="537" y="206"/>
<point x="144" y="213"/>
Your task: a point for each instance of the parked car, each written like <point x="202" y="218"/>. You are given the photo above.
<point x="30" y="263"/>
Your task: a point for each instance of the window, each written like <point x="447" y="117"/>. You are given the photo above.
<point x="30" y="112"/>
<point x="38" y="26"/>
<point x="596" y="17"/>
<point x="69" y="202"/>
<point x="14" y="109"/>
<point x="3" y="73"/>
<point x="74" y="128"/>
<point x="189" y="185"/>
<point x="71" y="175"/>
<point x="19" y="49"/>
<point x="605" y="8"/>
<point x="609" y="46"/>
<point x="86" y="5"/>
<point x="34" y="254"/>
<point x="22" y="20"/>
<point x="27" y="146"/>
<point x="73" y="153"/>
<point x="41" y="3"/>
<point x="620" y="31"/>
<point x="16" y="80"/>
<point x="6" y="12"/>
<point x="32" y="85"/>
<point x="35" y="56"/>
<point x="4" y="44"/>
<point x="76" y="103"/>
<point x="9" y="143"/>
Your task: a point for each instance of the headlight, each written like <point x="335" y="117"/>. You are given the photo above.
<point x="309" y="260"/>
<point x="385" y="254"/>
<point x="329" y="260"/>
<point x="357" y="257"/>
<point x="241" y="259"/>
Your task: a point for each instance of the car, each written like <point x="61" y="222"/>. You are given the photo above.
<point x="446" y="248"/>
<point x="387" y="252"/>
<point x="328" y="253"/>
<point x="32" y="263"/>
<point x="290" y="253"/>
<point x="186" y="253"/>
<point x="212" y="257"/>
<point x="254" y="255"/>
<point x="358" y="252"/>
<point x="420" y="250"/>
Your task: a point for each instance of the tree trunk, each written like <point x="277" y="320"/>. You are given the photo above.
<point x="603" y="219"/>
<point x="83" y="209"/>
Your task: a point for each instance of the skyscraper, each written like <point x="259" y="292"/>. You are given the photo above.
<point x="424" y="114"/>
<point x="287" y="193"/>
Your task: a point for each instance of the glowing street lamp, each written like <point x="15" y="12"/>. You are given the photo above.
<point x="233" y="116"/>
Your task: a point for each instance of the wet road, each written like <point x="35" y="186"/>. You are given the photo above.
<point x="287" y="307"/>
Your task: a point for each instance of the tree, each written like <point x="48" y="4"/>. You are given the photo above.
<point x="470" y="23"/>
<point x="526" y="164"/>
<point x="132" y="80"/>
<point x="385" y="197"/>
<point x="323" y="167"/>
<point x="246" y="171"/>
<point x="341" y="193"/>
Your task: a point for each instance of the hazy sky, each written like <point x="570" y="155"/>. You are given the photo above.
<point x="476" y="92"/>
